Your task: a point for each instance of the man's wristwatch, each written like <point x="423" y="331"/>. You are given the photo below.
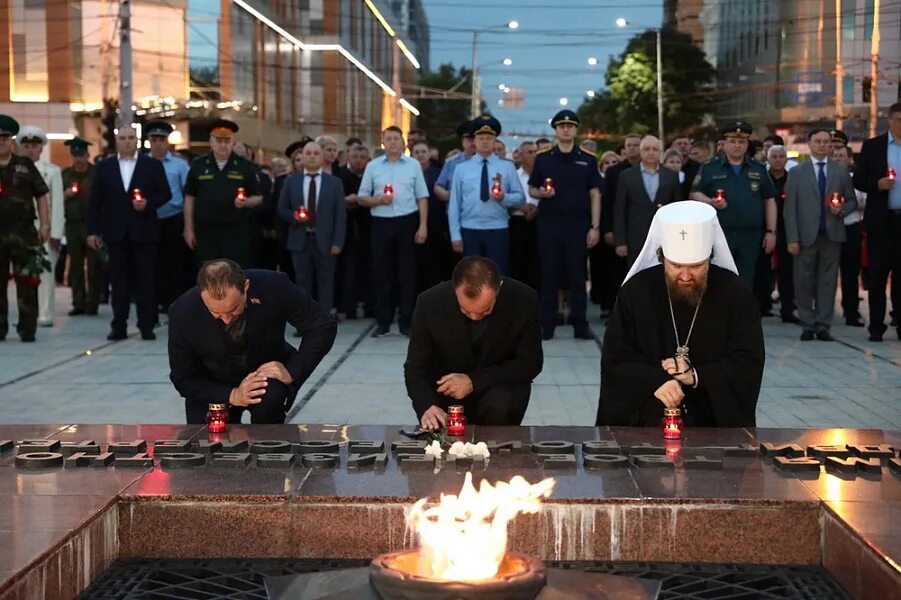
<point x="596" y="227"/>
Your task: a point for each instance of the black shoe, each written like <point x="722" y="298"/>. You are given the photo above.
<point x="807" y="335"/>
<point x="584" y="334"/>
<point x="854" y="322"/>
<point x="381" y="331"/>
<point x="824" y="336"/>
<point x="560" y="318"/>
<point x="77" y="311"/>
<point x="26" y="337"/>
<point x="115" y="336"/>
<point x="91" y="312"/>
<point x="875" y="337"/>
<point x="791" y="319"/>
<point x="148" y="335"/>
<point x="899" y="333"/>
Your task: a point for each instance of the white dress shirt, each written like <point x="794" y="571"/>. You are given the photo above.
<point x="306" y="187"/>
<point x="127" y="169"/>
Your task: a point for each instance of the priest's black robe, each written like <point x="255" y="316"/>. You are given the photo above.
<point x="726" y="349"/>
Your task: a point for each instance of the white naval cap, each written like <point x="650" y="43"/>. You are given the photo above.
<point x="31" y="133"/>
<point x="687" y="232"/>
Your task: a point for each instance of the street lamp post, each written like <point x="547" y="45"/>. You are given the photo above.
<point x="476" y="82"/>
<point x="621" y="22"/>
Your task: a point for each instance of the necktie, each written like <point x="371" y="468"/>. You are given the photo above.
<point x="483" y="194"/>
<point x="311" y="201"/>
<point x="821" y="183"/>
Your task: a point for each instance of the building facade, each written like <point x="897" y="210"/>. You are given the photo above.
<point x="280" y="68"/>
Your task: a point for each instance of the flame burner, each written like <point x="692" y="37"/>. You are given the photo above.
<point x="394" y="575"/>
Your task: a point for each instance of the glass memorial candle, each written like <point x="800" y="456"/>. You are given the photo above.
<point x="242" y="196"/>
<point x="496" y="188"/>
<point x="388" y="190"/>
<point x="720" y="197"/>
<point x="217" y="418"/>
<point x="301" y="214"/>
<point x="836" y="199"/>
<point x="456" y="421"/>
<point x="74" y="188"/>
<point x="672" y="424"/>
<point x="891" y="174"/>
<point x="548" y="186"/>
<point x="136" y="198"/>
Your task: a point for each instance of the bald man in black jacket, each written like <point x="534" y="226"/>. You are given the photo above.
<point x="475" y="341"/>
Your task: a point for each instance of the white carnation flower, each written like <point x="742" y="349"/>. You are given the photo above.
<point x="434" y="449"/>
<point x="457" y="449"/>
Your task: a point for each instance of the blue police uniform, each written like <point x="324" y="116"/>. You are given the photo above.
<point x="746" y="187"/>
<point x="563" y="222"/>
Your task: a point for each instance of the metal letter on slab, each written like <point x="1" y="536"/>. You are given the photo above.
<point x="231" y="459"/>
<point x="270" y="447"/>
<point x="557" y="461"/>
<point x="26" y="446"/>
<point x="274" y="461"/>
<point x="644" y="449"/>
<point x="553" y="447"/>
<point x="126" y="448"/>
<point x="39" y="460"/>
<point x="601" y="447"/>
<point x="604" y="461"/>
<point x="854" y="464"/>
<point x="182" y="460"/>
<point x="138" y="461"/>
<point x="799" y="464"/>
<point x="316" y="447"/>
<point x="513" y="446"/>
<point x="6" y="446"/>
<point x="790" y="450"/>
<point x="655" y="461"/>
<point x="357" y="461"/>
<point x="209" y="446"/>
<point x="872" y="451"/>
<point x="408" y="447"/>
<point x="824" y="451"/>
<point x="85" y="447"/>
<point x="421" y="461"/>
<point x="321" y="460"/>
<point x="161" y="447"/>
<point x="365" y="446"/>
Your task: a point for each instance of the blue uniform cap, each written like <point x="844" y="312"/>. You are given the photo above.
<point x="298" y="145"/>
<point x="736" y="129"/>
<point x="565" y="116"/>
<point x="160" y="128"/>
<point x="486" y="124"/>
<point x="464" y="129"/>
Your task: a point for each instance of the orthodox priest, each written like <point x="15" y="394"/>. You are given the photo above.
<point x="685" y="331"/>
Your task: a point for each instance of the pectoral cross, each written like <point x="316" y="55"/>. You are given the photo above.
<point x="682" y="233"/>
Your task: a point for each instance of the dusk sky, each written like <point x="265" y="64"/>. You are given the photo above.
<point x="550" y="50"/>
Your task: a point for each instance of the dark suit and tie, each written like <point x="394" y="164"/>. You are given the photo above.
<point x="810" y="223"/>
<point x="207" y="360"/>
<point x="501" y="354"/>
<point x="314" y="243"/>
<point x="130" y="235"/>
<point x="882" y="223"/>
<point x="634" y="207"/>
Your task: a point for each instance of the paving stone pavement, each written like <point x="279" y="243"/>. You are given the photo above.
<point x="73" y="375"/>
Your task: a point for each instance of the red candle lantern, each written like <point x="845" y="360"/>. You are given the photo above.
<point x="301" y="214"/>
<point x="389" y="190"/>
<point x="720" y="197"/>
<point x="217" y="418"/>
<point x="836" y="199"/>
<point x="136" y="198"/>
<point x="242" y="196"/>
<point x="672" y="424"/>
<point x="496" y="189"/>
<point x="891" y="174"/>
<point x="456" y="421"/>
<point x="548" y="186"/>
<point x="74" y="188"/>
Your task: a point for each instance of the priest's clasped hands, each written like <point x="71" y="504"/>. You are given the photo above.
<point x="670" y="393"/>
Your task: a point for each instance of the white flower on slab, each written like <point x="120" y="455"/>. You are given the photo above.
<point x="434" y="449"/>
<point x="457" y="449"/>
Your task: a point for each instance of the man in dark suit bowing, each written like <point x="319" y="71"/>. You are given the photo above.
<point x="475" y="341"/>
<point x="227" y="342"/>
<point x="127" y="190"/>
<point x="312" y="201"/>
<point x="876" y="173"/>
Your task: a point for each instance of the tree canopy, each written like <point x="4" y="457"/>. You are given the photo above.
<point x="439" y="118"/>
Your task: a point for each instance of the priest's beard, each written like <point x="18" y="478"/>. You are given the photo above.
<point x="686" y="292"/>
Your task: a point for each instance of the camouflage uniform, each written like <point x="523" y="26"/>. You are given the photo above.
<point x="20" y="184"/>
<point x="84" y="297"/>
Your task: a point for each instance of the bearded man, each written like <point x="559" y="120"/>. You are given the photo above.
<point x="685" y="331"/>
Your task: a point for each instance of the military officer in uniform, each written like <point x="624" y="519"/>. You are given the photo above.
<point x="741" y="190"/>
<point x="77" y="182"/>
<point x="221" y="190"/>
<point x="31" y="140"/>
<point x="569" y="217"/>
<point x="21" y="187"/>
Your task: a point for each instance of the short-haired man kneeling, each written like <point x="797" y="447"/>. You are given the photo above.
<point x="475" y="341"/>
<point x="227" y="342"/>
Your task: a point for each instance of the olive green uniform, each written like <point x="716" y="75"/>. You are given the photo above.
<point x="743" y="219"/>
<point x="84" y="297"/>
<point x="20" y="184"/>
<point x="222" y="229"/>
